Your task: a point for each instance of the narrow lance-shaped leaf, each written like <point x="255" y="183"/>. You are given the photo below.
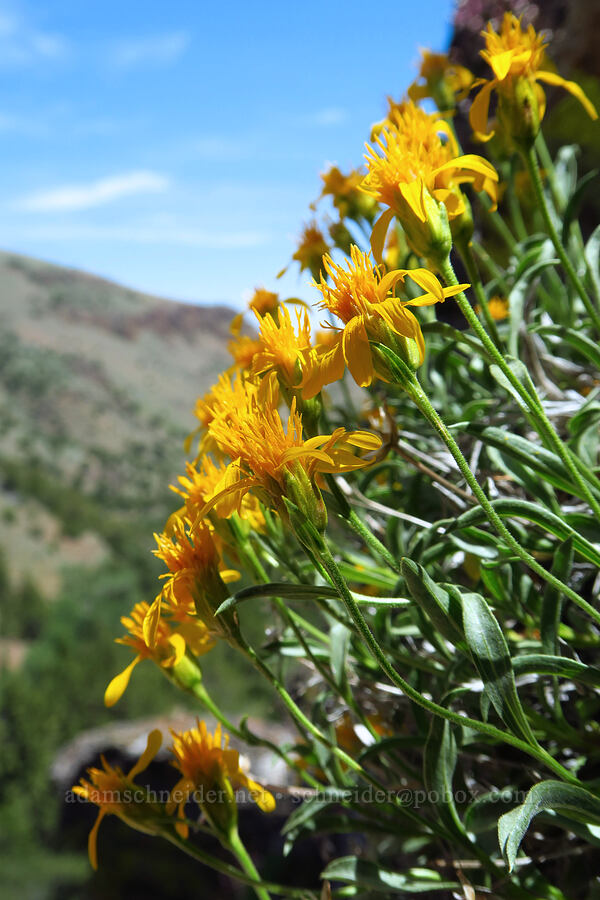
<point x="439" y="763"/>
<point x="492" y="659"/>
<point x="442" y="609"/>
<point x="552" y="599"/>
<point x="366" y="874"/>
<point x="574" y="801"/>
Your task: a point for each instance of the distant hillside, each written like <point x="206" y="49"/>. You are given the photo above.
<point x="97" y="387"/>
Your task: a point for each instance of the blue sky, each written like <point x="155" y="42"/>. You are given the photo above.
<point x="175" y="147"/>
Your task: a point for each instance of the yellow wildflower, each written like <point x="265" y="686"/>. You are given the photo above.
<point x="210" y="771"/>
<point x="364" y="300"/>
<point x="117" y="794"/>
<point x="441" y="79"/>
<point x="311" y="249"/>
<point x="518" y="62"/>
<point x="346" y="195"/>
<point x="262" y="302"/>
<point x="282" y="346"/>
<point x="243" y="348"/>
<point x="195" y="581"/>
<point x="167" y="647"/>
<point x="198" y="486"/>
<point x="225" y="395"/>
<point x="279" y="463"/>
<point x="415" y="170"/>
<point x="498" y="307"/>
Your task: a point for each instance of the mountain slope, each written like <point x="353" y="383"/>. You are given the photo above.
<point x="97" y="387"/>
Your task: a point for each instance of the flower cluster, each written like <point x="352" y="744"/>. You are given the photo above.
<point x="307" y="499"/>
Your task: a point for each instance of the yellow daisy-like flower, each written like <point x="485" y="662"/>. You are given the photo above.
<point x="166" y="647"/>
<point x="210" y="771"/>
<point x="196" y="578"/>
<point x="415" y="169"/>
<point x="224" y="396"/>
<point x="243" y="349"/>
<point x="198" y="486"/>
<point x="282" y="346"/>
<point x="364" y="300"/>
<point x="499" y="308"/>
<point x="518" y="62"/>
<point x="262" y="302"/>
<point x="346" y="195"/>
<point x="117" y="794"/>
<point x="441" y="79"/>
<point x="311" y="249"/>
<point x="279" y="463"/>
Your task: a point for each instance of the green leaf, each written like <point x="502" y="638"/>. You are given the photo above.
<point x="574" y="801"/>
<point x="340" y="637"/>
<point x="565" y="170"/>
<point x="592" y="255"/>
<point x="492" y="660"/>
<point x="575" y="339"/>
<point x="516" y="303"/>
<point x="562" y="667"/>
<point x="439" y="763"/>
<point x="369" y="875"/>
<point x="522" y="375"/>
<point x="442" y="609"/>
<point x="552" y="599"/>
<point x="277" y="589"/>
<point x="524" y="509"/>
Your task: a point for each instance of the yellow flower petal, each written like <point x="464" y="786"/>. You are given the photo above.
<point x="378" y="235"/>
<point x="480" y="110"/>
<point x="571" y="87"/>
<point x="153" y="745"/>
<point x="93" y="840"/>
<point x="357" y="352"/>
<point x="413" y="193"/>
<point x="151" y="621"/>
<point x="118" y="685"/>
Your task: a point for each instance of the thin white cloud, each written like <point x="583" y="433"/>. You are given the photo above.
<point x="160" y="49"/>
<point x="327" y="117"/>
<point x="137" y="234"/>
<point x="21" y="44"/>
<point x="72" y="197"/>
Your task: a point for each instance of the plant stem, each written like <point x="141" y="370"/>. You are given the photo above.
<point x="245" y="860"/>
<point x="536" y="179"/>
<point x="477" y="285"/>
<point x="227" y="869"/>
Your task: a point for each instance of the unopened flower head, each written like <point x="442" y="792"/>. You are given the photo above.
<point x="416" y="171"/>
<point x="116" y="793"/>
<point x="442" y="80"/>
<point x="518" y="61"/>
<point x="212" y="770"/>
<point x="363" y="299"/>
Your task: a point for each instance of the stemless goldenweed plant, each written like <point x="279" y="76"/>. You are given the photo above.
<point x="426" y="541"/>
